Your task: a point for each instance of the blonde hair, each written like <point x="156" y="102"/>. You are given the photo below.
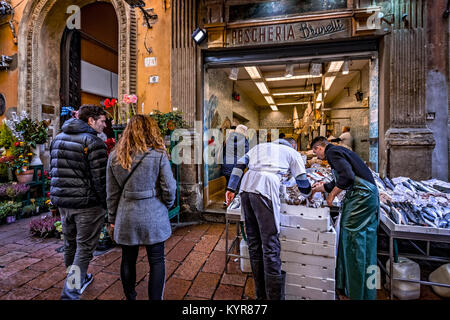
<point x="140" y="134"/>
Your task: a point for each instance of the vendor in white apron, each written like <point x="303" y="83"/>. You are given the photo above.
<point x="268" y="164"/>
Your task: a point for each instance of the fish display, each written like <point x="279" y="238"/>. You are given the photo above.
<point x="409" y="202"/>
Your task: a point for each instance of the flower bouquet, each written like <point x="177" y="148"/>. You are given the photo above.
<point x="44" y="227"/>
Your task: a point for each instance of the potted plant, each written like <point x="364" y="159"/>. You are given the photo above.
<point x="31" y="132"/>
<point x="6" y="139"/>
<point x="43" y="227"/>
<point x="9" y="210"/>
<point x="16" y="191"/>
<point x="167" y="122"/>
<point x="21" y="162"/>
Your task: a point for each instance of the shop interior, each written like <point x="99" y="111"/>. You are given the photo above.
<point x="301" y="99"/>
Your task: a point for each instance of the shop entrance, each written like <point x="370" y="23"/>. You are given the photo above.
<point x="296" y="97"/>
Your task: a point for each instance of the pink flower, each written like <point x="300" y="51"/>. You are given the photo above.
<point x="126" y="98"/>
<point x="133" y="99"/>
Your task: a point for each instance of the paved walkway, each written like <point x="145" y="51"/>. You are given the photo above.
<point x="31" y="268"/>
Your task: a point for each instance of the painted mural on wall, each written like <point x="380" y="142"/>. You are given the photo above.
<point x="211" y="120"/>
<point x="282" y="8"/>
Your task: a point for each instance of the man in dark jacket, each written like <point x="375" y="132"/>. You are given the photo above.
<point x="78" y="189"/>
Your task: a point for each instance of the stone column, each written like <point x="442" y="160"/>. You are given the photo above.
<point x="409" y="142"/>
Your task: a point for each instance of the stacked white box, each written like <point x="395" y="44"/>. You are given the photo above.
<point x="308" y="252"/>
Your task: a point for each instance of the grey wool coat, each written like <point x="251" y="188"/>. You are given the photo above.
<point x="139" y="212"/>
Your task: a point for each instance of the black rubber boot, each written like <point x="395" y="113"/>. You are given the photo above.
<point x="275" y="286"/>
<point x="258" y="277"/>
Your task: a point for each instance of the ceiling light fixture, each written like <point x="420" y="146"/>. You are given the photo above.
<point x="262" y="87"/>
<point x="329" y="82"/>
<point x="253" y="72"/>
<point x="269" y="99"/>
<point x="274" y="107"/>
<point x="335" y="66"/>
<point x="319" y="97"/>
<point x="318" y="105"/>
<point x="291" y="103"/>
<point x="304" y="76"/>
<point x="315" y="69"/>
<point x="292" y="93"/>
<point x="234" y="74"/>
<point x="289" y="71"/>
<point x="345" y="67"/>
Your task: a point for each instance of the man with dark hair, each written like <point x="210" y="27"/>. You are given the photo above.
<point x="357" y="250"/>
<point x="78" y="189"/>
<point x="269" y="164"/>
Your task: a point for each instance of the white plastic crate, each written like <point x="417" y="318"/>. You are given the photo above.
<point x="304" y="247"/>
<point x="309" y="293"/>
<point x="315" y="219"/>
<point x="308" y="259"/>
<point x="290" y="297"/>
<point x="311" y="282"/>
<point x="308" y="270"/>
<point x="301" y="234"/>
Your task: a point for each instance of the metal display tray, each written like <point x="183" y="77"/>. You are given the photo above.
<point x="416" y="229"/>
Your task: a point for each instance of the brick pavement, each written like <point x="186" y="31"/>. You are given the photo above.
<point x="30" y="268"/>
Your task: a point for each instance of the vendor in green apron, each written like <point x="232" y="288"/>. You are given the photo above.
<point x="357" y="251"/>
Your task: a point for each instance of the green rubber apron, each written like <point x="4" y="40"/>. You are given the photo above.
<point x="357" y="248"/>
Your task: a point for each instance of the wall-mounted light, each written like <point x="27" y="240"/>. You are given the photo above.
<point x="315" y="69"/>
<point x="141" y="4"/>
<point x="234" y="74"/>
<point x="199" y="35"/>
<point x="5" y="8"/>
<point x="5" y="61"/>
<point x="345" y="67"/>
<point x="289" y="71"/>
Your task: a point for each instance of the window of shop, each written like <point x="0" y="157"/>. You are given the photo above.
<point x="300" y="97"/>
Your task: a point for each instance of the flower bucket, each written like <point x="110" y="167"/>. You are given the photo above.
<point x="10" y="219"/>
<point x="36" y="161"/>
<point x="25" y="177"/>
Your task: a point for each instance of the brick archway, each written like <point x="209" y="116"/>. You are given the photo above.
<point x="40" y="33"/>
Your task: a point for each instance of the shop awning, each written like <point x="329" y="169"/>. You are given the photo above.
<point x="268" y="55"/>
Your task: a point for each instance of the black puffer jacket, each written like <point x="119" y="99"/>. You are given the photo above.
<point x="78" y="167"/>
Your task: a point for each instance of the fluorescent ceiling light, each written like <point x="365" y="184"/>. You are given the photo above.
<point x="291" y="103"/>
<point x="289" y="71"/>
<point x="274" y="107"/>
<point x="234" y="74"/>
<point x="335" y="66"/>
<point x="345" y="67"/>
<point x="292" y="93"/>
<point x="269" y="99"/>
<point x="262" y="87"/>
<point x="328" y="82"/>
<point x="319" y="97"/>
<point x="253" y="72"/>
<point x="304" y="76"/>
<point x="318" y="105"/>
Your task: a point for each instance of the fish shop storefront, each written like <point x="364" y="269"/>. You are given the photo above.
<point x="294" y="68"/>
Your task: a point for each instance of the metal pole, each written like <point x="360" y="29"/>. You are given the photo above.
<point x="391" y="266"/>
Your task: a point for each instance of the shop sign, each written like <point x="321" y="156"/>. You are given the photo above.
<point x="289" y="32"/>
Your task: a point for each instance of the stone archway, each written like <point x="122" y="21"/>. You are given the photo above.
<point x="40" y="33"/>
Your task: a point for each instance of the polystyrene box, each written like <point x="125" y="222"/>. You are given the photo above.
<point x="308" y="270"/>
<point x="304" y="247"/>
<point x="311" y="282"/>
<point x="315" y="219"/>
<point x="301" y="234"/>
<point x="308" y="259"/>
<point x="306" y="292"/>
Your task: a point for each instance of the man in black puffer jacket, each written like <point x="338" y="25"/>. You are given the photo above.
<point x="78" y="189"/>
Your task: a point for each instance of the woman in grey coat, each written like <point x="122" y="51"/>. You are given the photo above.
<point x="140" y="190"/>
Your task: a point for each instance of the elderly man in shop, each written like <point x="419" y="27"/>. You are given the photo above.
<point x="357" y="250"/>
<point x="268" y="164"/>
